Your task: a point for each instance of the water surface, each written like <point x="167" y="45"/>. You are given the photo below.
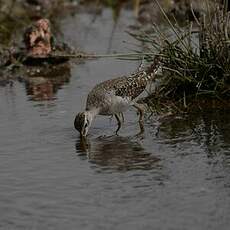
<point x="174" y="176"/>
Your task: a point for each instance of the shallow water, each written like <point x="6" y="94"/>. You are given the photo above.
<point x="174" y="176"/>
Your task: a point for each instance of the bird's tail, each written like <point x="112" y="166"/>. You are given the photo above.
<point x="153" y="69"/>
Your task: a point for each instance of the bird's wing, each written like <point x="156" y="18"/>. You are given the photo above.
<point x="131" y="86"/>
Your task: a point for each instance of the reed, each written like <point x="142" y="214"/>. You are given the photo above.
<point x="194" y="60"/>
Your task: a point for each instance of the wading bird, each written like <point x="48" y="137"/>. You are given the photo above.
<point x="113" y="97"/>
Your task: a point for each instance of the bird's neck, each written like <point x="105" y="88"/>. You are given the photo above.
<point x="93" y="112"/>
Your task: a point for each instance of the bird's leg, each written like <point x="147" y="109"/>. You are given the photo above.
<point x="141" y="111"/>
<point x="110" y="118"/>
<point x="118" y="123"/>
<point x="122" y="117"/>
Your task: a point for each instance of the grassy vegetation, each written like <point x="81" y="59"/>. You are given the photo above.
<point x="195" y="60"/>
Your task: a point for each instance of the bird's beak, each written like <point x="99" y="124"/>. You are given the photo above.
<point x="83" y="133"/>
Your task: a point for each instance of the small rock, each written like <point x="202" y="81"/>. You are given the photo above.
<point x="37" y="38"/>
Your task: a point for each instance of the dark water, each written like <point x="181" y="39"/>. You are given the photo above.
<point x="176" y="176"/>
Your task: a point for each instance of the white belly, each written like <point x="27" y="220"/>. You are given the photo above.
<point x="115" y="105"/>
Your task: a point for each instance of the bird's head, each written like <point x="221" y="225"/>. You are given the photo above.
<point x="82" y="122"/>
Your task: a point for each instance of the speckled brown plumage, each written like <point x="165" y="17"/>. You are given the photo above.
<point x="113" y="97"/>
<point x="125" y="87"/>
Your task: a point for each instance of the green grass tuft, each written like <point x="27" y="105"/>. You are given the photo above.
<point x="195" y="60"/>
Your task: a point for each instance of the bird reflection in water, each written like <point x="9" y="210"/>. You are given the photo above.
<point x="42" y="83"/>
<point x="116" y="153"/>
